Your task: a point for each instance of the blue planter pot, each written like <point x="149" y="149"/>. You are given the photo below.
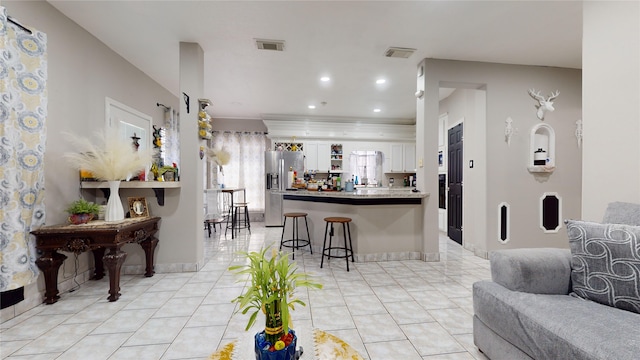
<point x="263" y="353"/>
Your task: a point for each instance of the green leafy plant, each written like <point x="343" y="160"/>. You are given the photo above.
<point x="273" y="281"/>
<point x="82" y="206"/>
<point x="165" y="169"/>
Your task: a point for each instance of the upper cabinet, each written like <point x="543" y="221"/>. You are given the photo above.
<point x="403" y="158"/>
<point x="318" y="155"/>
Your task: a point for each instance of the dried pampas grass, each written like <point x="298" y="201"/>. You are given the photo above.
<point x="107" y="157"/>
<point x="219" y="156"/>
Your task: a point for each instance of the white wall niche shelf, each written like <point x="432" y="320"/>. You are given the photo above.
<point x="542" y="148"/>
<point x="157" y="186"/>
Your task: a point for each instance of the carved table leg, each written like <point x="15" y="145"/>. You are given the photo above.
<point x="149" y="247"/>
<point x="98" y="254"/>
<point x="114" y="260"/>
<point x="50" y="263"/>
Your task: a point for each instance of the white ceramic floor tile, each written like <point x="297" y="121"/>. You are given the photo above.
<point x="432" y="300"/>
<point x="455" y="321"/>
<point x="197" y="342"/>
<point x="375" y="328"/>
<point x="355" y="288"/>
<point x="9" y="347"/>
<point x="58" y="339"/>
<point x="393" y="293"/>
<point x="145" y="352"/>
<point x="376" y="307"/>
<point x="408" y="312"/>
<point x="150" y="300"/>
<point x="210" y="315"/>
<point x="124" y="321"/>
<point x="332" y="318"/>
<point x="452" y="356"/>
<point x="33" y="327"/>
<point x="148" y="334"/>
<point x="179" y="307"/>
<point x="386" y="350"/>
<point x="431" y="339"/>
<point x="95" y="347"/>
<point x="364" y="305"/>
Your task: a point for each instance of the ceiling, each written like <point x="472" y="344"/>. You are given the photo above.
<point x="345" y="40"/>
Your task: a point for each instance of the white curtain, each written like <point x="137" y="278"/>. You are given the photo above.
<point x="23" y="113"/>
<point x="246" y="167"/>
<point x="171" y="142"/>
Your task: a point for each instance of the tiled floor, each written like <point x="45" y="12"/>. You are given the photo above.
<point x="386" y="310"/>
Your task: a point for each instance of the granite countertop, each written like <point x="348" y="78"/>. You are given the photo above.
<point x="369" y="193"/>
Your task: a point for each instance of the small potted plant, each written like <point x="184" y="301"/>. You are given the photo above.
<point x="82" y="211"/>
<point x="168" y="173"/>
<point x="273" y="281"/>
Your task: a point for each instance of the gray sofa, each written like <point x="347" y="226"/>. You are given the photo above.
<point x="530" y="309"/>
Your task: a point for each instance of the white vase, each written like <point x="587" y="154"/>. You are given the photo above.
<point x="114" y="211"/>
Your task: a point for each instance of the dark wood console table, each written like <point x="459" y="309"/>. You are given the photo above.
<point x="96" y="236"/>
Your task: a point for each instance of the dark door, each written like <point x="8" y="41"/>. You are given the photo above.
<point x="454" y="211"/>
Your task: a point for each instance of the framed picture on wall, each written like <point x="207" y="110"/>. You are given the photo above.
<point x="441" y="160"/>
<point x="138" y="207"/>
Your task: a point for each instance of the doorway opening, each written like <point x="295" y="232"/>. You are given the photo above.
<point x="462" y="160"/>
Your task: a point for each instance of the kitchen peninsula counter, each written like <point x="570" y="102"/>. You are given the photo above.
<point x="387" y="223"/>
<point x="366" y="196"/>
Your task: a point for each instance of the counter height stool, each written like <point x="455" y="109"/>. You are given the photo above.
<point x="348" y="246"/>
<point x="295" y="241"/>
<point x="236" y="212"/>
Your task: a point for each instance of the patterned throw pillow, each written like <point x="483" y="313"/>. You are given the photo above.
<point x="605" y="263"/>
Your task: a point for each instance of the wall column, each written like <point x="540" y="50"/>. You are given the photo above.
<point x="183" y="234"/>
<point x="427" y="161"/>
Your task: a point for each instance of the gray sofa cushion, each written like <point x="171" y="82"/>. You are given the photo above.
<point x="538" y="271"/>
<point x="605" y="264"/>
<point x="622" y="213"/>
<point x="557" y="326"/>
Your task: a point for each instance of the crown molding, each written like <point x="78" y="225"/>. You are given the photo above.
<point x="312" y="129"/>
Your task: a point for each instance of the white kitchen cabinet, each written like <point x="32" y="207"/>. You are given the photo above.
<point x="324" y="156"/>
<point x="403" y="158"/>
<point x="317" y="156"/>
<point x="409" y="152"/>
<point x="397" y="157"/>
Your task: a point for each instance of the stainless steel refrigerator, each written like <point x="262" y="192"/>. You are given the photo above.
<point x="277" y="164"/>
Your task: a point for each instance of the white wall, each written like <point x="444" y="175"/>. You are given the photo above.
<point x="82" y="71"/>
<point x="507" y="177"/>
<point x="611" y="93"/>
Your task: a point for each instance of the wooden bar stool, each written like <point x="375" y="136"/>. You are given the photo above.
<point x="295" y="241"/>
<point x="348" y="246"/>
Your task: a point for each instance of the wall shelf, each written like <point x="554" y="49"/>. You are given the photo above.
<point x="157" y="186"/>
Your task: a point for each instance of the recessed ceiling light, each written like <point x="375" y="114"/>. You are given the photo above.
<point x="325" y="78"/>
<point x="312" y="106"/>
<point x="376" y="110"/>
<point x="381" y="81"/>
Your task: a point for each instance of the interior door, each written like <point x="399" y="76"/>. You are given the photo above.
<point x="454" y="212"/>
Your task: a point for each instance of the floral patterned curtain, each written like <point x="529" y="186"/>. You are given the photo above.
<point x="23" y="111"/>
<point x="246" y="166"/>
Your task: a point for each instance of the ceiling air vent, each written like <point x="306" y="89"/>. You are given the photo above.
<point x="397" y="52"/>
<point x="276" y="45"/>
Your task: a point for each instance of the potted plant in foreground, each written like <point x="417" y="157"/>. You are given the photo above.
<point x="82" y="211"/>
<point x="273" y="281"/>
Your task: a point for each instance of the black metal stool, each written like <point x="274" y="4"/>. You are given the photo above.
<point x="295" y="236"/>
<point x="237" y="222"/>
<point x="348" y="246"/>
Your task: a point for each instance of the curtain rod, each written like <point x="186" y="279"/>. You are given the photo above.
<point x="166" y="108"/>
<point x="16" y="23"/>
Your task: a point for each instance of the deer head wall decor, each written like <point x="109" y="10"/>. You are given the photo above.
<point x="544" y="104"/>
